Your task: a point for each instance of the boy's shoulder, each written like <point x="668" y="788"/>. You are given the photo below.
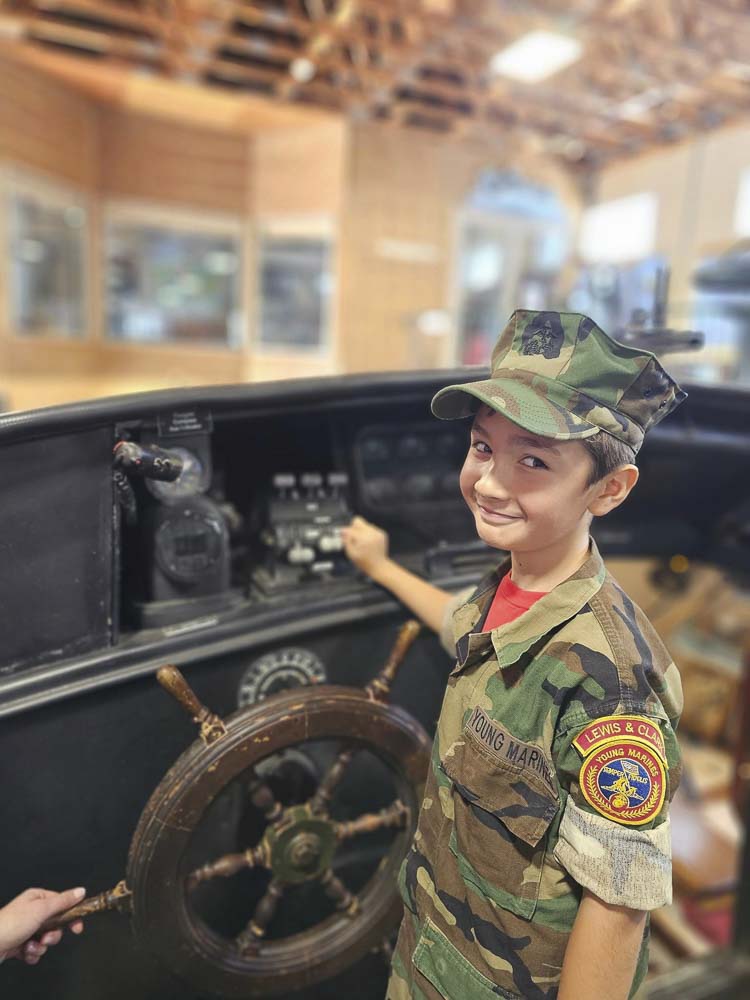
<point x="611" y="651"/>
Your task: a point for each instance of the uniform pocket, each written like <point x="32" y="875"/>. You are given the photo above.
<point x="502" y="811"/>
<point x="449" y="972"/>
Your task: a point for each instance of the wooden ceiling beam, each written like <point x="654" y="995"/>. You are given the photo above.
<point x="102" y="10"/>
<point x="199" y="42"/>
<point x="96" y="42"/>
<point x="259" y="48"/>
<point x="255" y="15"/>
<point x="235" y="72"/>
<point x="429" y="63"/>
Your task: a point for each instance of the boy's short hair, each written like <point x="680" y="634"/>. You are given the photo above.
<point x="607" y="453"/>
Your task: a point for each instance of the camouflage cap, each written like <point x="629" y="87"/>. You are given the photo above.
<point x="557" y="374"/>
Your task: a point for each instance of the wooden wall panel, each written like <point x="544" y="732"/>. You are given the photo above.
<point x="152" y="160"/>
<point x="46" y="126"/>
<point x="299" y="171"/>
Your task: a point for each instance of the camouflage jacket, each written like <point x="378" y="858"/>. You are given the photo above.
<point x="553" y="762"/>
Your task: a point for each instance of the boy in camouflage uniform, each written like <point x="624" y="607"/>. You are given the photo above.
<point x="543" y="839"/>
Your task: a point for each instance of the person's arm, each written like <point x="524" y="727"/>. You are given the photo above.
<point x="602" y="951"/>
<point x="21" y="919"/>
<point x="367" y="547"/>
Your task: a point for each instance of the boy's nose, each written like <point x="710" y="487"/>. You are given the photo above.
<point x="490" y="486"/>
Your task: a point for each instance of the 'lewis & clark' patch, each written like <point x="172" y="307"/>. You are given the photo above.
<point x="502" y="745"/>
<point x="618" y="727"/>
<point x="624" y="781"/>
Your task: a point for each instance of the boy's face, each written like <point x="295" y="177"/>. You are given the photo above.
<point x="526" y="492"/>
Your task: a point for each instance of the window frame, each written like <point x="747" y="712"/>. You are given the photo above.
<point x="57" y="193"/>
<point x="186" y="220"/>
<point x="302" y="227"/>
<point x="512" y="231"/>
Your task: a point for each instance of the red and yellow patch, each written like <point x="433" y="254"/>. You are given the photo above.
<point x="624" y="780"/>
<point x="614" y="727"/>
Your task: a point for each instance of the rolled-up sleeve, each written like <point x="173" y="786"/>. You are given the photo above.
<point x="445" y="634"/>
<point x="624" y="866"/>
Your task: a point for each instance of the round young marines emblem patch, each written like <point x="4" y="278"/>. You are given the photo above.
<point x="624" y="780"/>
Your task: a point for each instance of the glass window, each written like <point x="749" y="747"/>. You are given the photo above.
<point x="721" y="311"/>
<point x="619" y="231"/>
<point x="47" y="252"/>
<point x="616" y="296"/>
<point x="742" y="205"/>
<point x="169" y="284"/>
<point x="481" y="283"/>
<point x="512" y="241"/>
<point x="295" y="291"/>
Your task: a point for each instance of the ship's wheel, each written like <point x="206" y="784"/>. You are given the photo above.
<point x="298" y="842"/>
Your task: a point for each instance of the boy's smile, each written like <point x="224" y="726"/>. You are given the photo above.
<point x="528" y="494"/>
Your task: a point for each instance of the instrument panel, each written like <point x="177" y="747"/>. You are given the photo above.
<point x="199" y="519"/>
<point x="397" y="468"/>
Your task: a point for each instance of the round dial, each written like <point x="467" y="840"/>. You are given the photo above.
<point x="188" y="543"/>
<point x="277" y="671"/>
<point x="193" y="480"/>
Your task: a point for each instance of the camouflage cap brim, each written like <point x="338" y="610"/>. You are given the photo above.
<point x="516" y="401"/>
<point x="544" y="406"/>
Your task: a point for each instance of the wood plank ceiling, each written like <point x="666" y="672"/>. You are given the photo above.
<point x="651" y="71"/>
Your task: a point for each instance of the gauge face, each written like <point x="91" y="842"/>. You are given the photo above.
<point x="188" y="543"/>
<point x="277" y="671"/>
<point x="192" y="481"/>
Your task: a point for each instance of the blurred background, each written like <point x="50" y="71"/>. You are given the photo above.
<point x="217" y="191"/>
<point x="221" y="191"/>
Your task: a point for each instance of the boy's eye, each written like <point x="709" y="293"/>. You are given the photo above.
<point x="479" y="445"/>
<point x="532" y="462"/>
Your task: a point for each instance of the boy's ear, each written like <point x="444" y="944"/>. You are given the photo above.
<point x="613" y="489"/>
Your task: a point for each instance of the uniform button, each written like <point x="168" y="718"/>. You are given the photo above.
<point x="440" y="965"/>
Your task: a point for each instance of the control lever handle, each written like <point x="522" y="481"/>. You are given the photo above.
<point x="147" y="461"/>
<point x="379" y="688"/>
<point x="212" y="727"/>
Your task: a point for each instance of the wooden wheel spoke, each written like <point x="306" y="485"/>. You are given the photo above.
<point x="319" y="801"/>
<point x="394" y="815"/>
<point x="335" y="889"/>
<point x="225" y="866"/>
<point x="263" y="798"/>
<point x="248" y="940"/>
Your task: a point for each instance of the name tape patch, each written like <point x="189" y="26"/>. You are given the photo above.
<point x="624" y="780"/>
<point x="614" y="727"/>
<point x="502" y="745"/>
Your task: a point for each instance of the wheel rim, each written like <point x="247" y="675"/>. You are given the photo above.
<point x="163" y="916"/>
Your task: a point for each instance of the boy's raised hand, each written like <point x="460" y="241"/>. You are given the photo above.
<point x="23" y="916"/>
<point x="366" y="546"/>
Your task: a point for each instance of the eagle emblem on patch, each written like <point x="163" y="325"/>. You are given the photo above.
<point x="622" y="775"/>
<point x="624" y="780"/>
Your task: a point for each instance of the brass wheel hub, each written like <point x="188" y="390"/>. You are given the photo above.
<point x="301" y="845"/>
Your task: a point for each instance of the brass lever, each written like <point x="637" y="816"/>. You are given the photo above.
<point x="212" y="727"/>
<point x="380" y="687"/>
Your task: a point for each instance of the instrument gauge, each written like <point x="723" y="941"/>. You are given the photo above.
<point x="192" y="481"/>
<point x="277" y="671"/>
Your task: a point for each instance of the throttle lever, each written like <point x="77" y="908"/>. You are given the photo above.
<point x="379" y="687"/>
